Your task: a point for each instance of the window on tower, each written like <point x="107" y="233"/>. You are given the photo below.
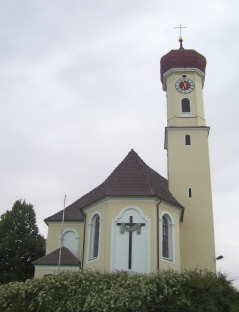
<point x="186" y="109"/>
<point x="187" y="139"/>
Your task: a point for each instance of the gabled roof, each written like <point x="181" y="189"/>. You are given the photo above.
<point x="132" y="177"/>
<point x="67" y="258"/>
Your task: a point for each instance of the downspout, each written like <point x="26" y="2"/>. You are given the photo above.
<point x="83" y="249"/>
<point x="157" y="212"/>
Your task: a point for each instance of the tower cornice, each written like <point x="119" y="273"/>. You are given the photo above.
<point x="202" y="128"/>
<point x="178" y="70"/>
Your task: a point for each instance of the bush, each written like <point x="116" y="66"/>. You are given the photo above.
<point x="165" y="291"/>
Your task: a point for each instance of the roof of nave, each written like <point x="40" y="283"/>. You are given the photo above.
<point x="132" y="177"/>
<point x="67" y="258"/>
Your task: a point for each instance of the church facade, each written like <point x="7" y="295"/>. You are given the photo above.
<point x="136" y="219"/>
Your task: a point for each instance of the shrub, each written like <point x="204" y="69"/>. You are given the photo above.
<point x="164" y="291"/>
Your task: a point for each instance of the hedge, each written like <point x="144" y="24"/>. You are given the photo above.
<point x="165" y="291"/>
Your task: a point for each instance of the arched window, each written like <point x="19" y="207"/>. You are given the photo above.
<point x="167" y="238"/>
<point x="186" y="107"/>
<point x="94" y="237"/>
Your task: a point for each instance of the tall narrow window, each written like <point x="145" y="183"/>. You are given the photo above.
<point x="187" y="139"/>
<point x="96" y="236"/>
<point x="190" y="192"/>
<point x="186" y="109"/>
<point x="165" y="238"/>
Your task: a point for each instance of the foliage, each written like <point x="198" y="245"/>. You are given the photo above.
<point x="165" y="291"/>
<point x="20" y="243"/>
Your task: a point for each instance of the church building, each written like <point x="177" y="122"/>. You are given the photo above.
<point x="136" y="219"/>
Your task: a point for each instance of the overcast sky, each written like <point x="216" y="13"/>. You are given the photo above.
<point x="80" y="86"/>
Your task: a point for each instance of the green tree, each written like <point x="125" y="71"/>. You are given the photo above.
<point x="20" y="243"/>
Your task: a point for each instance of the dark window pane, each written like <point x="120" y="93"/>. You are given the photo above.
<point x="186" y="106"/>
<point x="187" y="139"/>
<point x="165" y="238"/>
<point x="96" y="237"/>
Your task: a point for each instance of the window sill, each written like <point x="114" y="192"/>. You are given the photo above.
<point x="93" y="260"/>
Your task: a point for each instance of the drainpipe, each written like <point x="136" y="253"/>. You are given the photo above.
<point x="83" y="248"/>
<point x="157" y="212"/>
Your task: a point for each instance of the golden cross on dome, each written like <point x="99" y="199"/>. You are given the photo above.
<point x="180" y="29"/>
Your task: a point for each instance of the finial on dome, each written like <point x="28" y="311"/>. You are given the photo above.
<point x="180" y="39"/>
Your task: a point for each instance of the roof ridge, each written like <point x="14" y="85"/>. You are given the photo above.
<point x="121" y="165"/>
<point x="144" y="173"/>
<point x="132" y="177"/>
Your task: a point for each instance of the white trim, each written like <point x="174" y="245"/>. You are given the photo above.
<point x="95" y="205"/>
<point x="130" y="207"/>
<point x="91" y="237"/>
<point x="55" y="267"/>
<point x="187" y="128"/>
<point x="171" y="238"/>
<point x="67" y="223"/>
<point x="68" y="230"/>
<point x="172" y="70"/>
<point x="115" y="199"/>
<point x="186" y="114"/>
<point x="148" y="228"/>
<point x="75" y="250"/>
<point x="109" y="199"/>
<point x="167" y="205"/>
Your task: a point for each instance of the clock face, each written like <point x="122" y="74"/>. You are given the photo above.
<point x="184" y="85"/>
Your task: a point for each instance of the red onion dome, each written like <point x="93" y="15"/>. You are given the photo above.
<point x="182" y="58"/>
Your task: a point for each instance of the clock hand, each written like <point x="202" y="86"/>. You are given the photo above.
<point x="184" y="84"/>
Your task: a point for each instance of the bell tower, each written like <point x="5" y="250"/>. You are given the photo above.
<point x="186" y="141"/>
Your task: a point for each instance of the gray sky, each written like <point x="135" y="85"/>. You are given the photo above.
<point x="80" y="87"/>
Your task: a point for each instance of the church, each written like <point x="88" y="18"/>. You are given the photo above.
<point x="137" y="220"/>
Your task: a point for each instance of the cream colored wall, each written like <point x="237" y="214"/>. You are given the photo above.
<point x="54" y="232"/>
<point x="40" y="271"/>
<point x="188" y="166"/>
<point x="174" y="101"/>
<point x="111" y="209"/>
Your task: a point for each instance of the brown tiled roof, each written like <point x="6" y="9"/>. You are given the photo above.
<point x="67" y="258"/>
<point x="132" y="177"/>
<point x="182" y="58"/>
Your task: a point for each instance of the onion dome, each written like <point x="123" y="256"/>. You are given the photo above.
<point x="182" y="59"/>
